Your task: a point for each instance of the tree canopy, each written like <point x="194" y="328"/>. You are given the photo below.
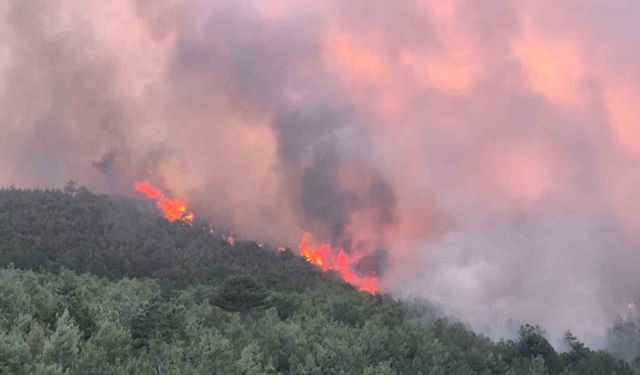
<point x="93" y="284"/>
<point x="241" y="293"/>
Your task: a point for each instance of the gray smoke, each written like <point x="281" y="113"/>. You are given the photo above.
<point x="485" y="154"/>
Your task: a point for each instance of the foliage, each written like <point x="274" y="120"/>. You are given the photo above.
<point x="240" y="293"/>
<point x="110" y="236"/>
<point x="97" y="285"/>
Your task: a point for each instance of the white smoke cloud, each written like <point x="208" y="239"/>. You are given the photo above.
<point x="490" y="147"/>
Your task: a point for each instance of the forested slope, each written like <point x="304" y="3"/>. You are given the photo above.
<point x="94" y="284"/>
<point x="116" y="237"/>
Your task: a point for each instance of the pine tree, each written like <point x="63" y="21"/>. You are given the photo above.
<point x="62" y="347"/>
<point x="537" y="366"/>
<point x="241" y="294"/>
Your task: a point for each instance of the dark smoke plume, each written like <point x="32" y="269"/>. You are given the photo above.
<point x="483" y="154"/>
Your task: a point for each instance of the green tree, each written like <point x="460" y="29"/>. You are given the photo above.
<point x="62" y="348"/>
<point x="159" y="318"/>
<point x="14" y="354"/>
<point x="532" y="343"/>
<point x="36" y="340"/>
<point x="105" y="350"/>
<point x="252" y="362"/>
<point x="537" y="366"/>
<point x="241" y="294"/>
<point x="577" y="349"/>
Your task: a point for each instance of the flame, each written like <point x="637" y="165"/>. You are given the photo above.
<point x="323" y="256"/>
<point x="229" y="238"/>
<point x="327" y="259"/>
<point x="173" y="209"/>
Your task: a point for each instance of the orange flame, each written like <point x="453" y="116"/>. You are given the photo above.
<point x="325" y="257"/>
<point x="173" y="209"/>
<point x="229" y="238"/>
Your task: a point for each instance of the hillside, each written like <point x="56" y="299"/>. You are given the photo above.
<point x="94" y="284"/>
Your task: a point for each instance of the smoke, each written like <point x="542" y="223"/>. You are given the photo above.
<point x="481" y="154"/>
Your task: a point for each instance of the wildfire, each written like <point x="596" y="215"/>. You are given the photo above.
<point x="173" y="209"/>
<point x="327" y="259"/>
<point x="323" y="256"/>
<point x="229" y="238"/>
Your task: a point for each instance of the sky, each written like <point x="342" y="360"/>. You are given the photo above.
<point x="482" y="154"/>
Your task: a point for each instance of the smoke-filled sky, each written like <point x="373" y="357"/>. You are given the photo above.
<point x="490" y="150"/>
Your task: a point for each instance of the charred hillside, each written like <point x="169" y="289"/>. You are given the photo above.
<point x="104" y="285"/>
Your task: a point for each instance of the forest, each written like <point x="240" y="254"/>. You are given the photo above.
<point x="97" y="284"/>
